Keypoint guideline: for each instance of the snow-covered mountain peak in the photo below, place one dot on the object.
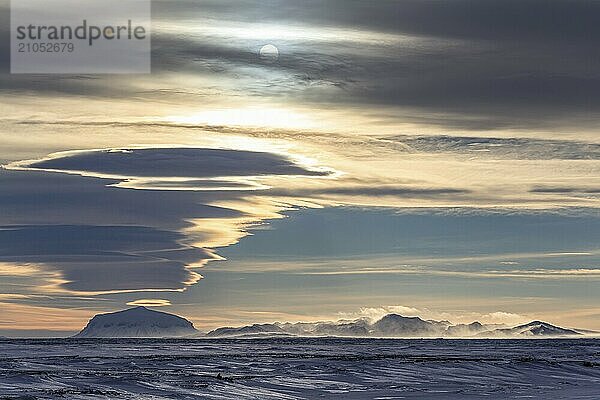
(138, 322)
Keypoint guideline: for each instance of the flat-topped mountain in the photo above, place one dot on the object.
(138, 322)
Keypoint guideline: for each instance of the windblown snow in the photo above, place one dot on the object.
(396, 326)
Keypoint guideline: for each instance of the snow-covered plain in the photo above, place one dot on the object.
(299, 368)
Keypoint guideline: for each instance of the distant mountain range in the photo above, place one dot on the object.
(141, 322)
(394, 325)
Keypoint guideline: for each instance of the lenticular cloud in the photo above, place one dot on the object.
(172, 163)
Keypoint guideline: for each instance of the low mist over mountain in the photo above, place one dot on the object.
(394, 325)
(138, 322)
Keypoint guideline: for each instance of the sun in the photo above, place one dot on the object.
(269, 53)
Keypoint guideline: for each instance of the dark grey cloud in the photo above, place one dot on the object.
(101, 238)
(197, 184)
(396, 191)
(103, 258)
(175, 162)
(34, 198)
(489, 19)
(509, 63)
(4, 37)
(502, 148)
(473, 64)
(489, 64)
(567, 190)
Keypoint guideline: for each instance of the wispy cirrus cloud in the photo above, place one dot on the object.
(535, 274)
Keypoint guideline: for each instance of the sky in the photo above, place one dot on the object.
(437, 158)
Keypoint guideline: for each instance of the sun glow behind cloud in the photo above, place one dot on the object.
(247, 117)
(283, 33)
